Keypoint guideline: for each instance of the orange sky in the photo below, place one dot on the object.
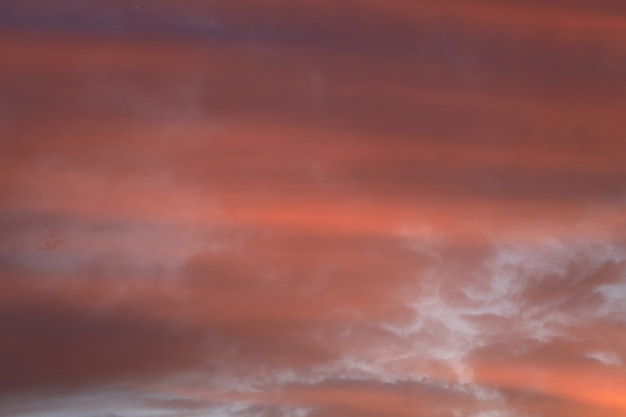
(312, 208)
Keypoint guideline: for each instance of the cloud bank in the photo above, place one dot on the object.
(312, 209)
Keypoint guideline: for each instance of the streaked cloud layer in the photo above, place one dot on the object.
(313, 208)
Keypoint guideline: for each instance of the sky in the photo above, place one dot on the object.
(312, 208)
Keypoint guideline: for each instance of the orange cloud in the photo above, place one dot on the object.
(313, 209)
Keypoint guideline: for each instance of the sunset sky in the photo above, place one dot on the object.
(312, 208)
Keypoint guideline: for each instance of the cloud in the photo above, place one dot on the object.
(312, 209)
